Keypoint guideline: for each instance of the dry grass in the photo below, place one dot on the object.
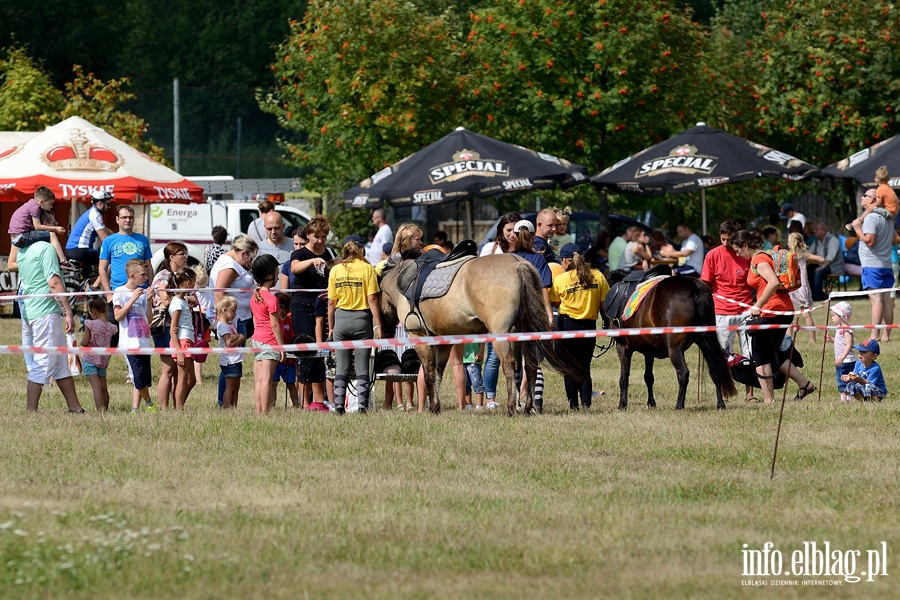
(645, 504)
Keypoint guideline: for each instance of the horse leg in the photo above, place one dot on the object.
(676, 355)
(530, 372)
(649, 379)
(508, 363)
(441, 356)
(624, 373)
(427, 356)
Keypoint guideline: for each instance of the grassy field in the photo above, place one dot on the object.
(642, 504)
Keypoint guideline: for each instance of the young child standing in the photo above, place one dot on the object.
(182, 335)
(132, 311)
(230, 363)
(267, 324)
(286, 371)
(98, 332)
(866, 382)
(472, 356)
(27, 225)
(844, 359)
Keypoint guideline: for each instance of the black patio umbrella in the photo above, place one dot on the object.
(461, 166)
(699, 158)
(861, 166)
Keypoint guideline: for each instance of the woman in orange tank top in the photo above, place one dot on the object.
(765, 344)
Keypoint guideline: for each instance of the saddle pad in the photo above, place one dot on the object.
(639, 294)
(441, 278)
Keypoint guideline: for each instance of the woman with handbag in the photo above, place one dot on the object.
(175, 258)
(770, 296)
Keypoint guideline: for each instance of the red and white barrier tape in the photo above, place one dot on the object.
(10, 297)
(417, 341)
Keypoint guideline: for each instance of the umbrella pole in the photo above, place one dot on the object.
(703, 208)
(470, 226)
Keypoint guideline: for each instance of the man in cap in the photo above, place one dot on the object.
(876, 234)
(88, 232)
(789, 214)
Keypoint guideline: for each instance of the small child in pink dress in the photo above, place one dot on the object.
(98, 332)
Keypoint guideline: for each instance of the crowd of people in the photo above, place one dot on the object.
(273, 289)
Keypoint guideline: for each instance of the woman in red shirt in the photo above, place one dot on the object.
(764, 344)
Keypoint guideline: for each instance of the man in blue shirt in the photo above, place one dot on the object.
(116, 250)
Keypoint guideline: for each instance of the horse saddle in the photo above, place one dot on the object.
(432, 277)
(619, 295)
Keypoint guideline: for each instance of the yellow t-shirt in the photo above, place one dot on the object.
(350, 285)
(575, 300)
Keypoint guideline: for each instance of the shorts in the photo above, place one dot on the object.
(235, 370)
(92, 369)
(162, 340)
(139, 370)
(30, 237)
(266, 355)
(286, 373)
(185, 344)
(843, 369)
(874, 278)
(48, 331)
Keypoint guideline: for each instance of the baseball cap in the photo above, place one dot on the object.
(568, 251)
(354, 238)
(786, 207)
(844, 310)
(524, 223)
(869, 345)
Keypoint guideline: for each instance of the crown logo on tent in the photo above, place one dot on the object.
(79, 155)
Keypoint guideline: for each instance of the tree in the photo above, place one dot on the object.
(364, 83)
(589, 81)
(29, 102)
(820, 78)
(27, 97)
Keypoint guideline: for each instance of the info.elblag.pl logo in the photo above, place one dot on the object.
(813, 563)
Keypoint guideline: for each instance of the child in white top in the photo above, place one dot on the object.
(132, 311)
(183, 335)
(231, 363)
(844, 359)
(98, 332)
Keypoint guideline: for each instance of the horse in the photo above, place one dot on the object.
(674, 302)
(500, 293)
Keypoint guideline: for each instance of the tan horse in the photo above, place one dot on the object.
(500, 293)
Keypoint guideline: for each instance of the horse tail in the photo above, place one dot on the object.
(708, 342)
(532, 317)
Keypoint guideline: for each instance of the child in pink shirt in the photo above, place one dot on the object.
(267, 329)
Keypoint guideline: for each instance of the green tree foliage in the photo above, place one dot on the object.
(818, 78)
(589, 81)
(27, 96)
(366, 83)
(29, 102)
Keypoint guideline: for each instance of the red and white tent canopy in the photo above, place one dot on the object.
(75, 159)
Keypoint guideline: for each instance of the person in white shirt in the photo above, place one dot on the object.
(691, 248)
(383, 236)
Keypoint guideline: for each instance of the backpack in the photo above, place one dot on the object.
(787, 268)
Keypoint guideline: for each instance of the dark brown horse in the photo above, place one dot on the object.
(674, 302)
(500, 293)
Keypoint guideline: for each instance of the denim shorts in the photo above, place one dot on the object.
(285, 372)
(92, 369)
(235, 370)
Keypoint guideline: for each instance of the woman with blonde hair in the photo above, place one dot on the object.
(232, 270)
(353, 309)
(802, 296)
(409, 236)
(562, 236)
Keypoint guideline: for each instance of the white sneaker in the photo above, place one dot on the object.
(492, 405)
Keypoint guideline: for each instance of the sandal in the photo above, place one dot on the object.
(805, 391)
(751, 399)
